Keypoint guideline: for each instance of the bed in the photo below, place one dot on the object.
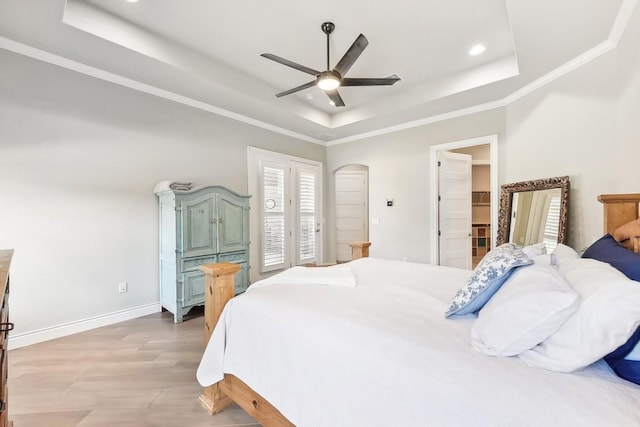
(378, 350)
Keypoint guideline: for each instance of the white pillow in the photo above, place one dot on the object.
(529, 307)
(560, 254)
(608, 315)
(564, 252)
(535, 250)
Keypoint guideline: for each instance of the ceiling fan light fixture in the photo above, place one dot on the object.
(328, 80)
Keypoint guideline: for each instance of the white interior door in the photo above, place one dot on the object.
(352, 216)
(454, 210)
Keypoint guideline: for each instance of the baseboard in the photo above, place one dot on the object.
(46, 334)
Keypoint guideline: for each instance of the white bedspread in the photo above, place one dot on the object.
(337, 275)
(382, 354)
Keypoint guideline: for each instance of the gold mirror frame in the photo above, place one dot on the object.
(506, 199)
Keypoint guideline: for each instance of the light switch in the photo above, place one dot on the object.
(375, 221)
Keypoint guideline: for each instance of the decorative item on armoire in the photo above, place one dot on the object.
(199, 225)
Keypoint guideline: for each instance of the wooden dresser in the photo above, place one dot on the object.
(5, 327)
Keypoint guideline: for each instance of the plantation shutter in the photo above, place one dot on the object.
(308, 224)
(552, 224)
(273, 217)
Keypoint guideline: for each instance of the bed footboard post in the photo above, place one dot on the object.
(359, 249)
(218, 290)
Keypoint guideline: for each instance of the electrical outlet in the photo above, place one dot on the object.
(123, 287)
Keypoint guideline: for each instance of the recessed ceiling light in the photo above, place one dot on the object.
(477, 50)
(131, 1)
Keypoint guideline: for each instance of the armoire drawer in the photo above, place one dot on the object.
(234, 257)
(193, 288)
(194, 263)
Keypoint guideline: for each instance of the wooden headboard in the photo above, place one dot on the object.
(620, 209)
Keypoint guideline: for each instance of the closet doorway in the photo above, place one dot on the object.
(352, 208)
(483, 196)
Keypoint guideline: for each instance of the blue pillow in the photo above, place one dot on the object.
(606, 249)
(624, 367)
(494, 269)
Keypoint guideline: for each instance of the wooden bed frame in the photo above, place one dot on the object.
(620, 209)
(219, 289)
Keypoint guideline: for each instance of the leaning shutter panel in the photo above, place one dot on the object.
(273, 210)
(552, 225)
(307, 216)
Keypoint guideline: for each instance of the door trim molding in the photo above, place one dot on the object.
(492, 141)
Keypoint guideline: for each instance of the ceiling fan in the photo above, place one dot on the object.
(330, 80)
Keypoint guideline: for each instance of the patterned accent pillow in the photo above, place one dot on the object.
(494, 269)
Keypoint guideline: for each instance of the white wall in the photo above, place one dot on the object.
(587, 126)
(399, 170)
(584, 125)
(568, 127)
(79, 159)
(628, 109)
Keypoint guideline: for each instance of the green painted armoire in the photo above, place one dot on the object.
(199, 225)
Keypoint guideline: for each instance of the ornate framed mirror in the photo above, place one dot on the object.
(534, 211)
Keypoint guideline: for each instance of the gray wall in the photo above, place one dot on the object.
(584, 125)
(399, 170)
(80, 157)
(79, 161)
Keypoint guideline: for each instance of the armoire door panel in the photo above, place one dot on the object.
(232, 225)
(199, 227)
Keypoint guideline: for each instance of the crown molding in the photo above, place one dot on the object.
(79, 67)
(617, 30)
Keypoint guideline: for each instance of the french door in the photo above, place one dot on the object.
(288, 197)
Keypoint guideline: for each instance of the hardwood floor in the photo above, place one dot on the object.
(136, 373)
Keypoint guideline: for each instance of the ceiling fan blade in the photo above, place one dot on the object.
(296, 89)
(352, 54)
(386, 81)
(290, 64)
(335, 97)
